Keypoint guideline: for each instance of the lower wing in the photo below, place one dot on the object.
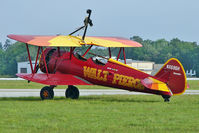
(54, 79)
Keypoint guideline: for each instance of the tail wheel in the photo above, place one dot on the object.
(46, 93)
(166, 98)
(72, 92)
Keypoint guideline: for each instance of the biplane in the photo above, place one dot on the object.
(70, 68)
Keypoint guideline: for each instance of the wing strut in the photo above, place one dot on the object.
(44, 61)
(58, 48)
(29, 57)
(35, 68)
(109, 50)
(87, 50)
(118, 56)
(71, 51)
(124, 56)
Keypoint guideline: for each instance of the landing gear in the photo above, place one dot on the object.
(166, 98)
(72, 92)
(47, 92)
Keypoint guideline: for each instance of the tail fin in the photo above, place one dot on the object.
(173, 74)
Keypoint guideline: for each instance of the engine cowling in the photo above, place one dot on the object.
(48, 52)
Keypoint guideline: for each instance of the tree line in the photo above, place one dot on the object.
(161, 50)
(158, 51)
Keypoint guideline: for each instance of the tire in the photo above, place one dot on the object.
(72, 92)
(46, 93)
(166, 98)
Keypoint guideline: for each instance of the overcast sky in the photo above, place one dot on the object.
(149, 19)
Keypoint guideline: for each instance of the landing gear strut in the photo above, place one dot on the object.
(47, 92)
(72, 92)
(166, 98)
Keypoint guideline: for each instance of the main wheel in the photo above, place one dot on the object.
(72, 92)
(46, 93)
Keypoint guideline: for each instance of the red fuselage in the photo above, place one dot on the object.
(113, 73)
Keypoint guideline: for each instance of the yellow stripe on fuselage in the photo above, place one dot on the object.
(122, 64)
(161, 86)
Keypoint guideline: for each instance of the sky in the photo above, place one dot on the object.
(149, 19)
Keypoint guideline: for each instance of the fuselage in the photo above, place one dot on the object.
(112, 74)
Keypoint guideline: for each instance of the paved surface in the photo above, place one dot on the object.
(83, 92)
(24, 79)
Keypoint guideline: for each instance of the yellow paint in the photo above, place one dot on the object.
(158, 85)
(115, 78)
(118, 79)
(103, 43)
(95, 73)
(105, 75)
(127, 81)
(65, 41)
(122, 64)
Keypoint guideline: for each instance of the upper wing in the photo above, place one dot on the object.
(54, 79)
(155, 84)
(74, 41)
(54, 41)
(111, 42)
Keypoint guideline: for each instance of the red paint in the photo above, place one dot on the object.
(44, 60)
(36, 59)
(75, 66)
(65, 68)
(173, 74)
(53, 79)
(124, 56)
(29, 58)
(87, 50)
(118, 56)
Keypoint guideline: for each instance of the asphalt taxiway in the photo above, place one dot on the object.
(83, 92)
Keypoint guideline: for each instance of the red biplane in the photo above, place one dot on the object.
(70, 68)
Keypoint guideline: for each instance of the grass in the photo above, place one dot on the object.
(108, 114)
(23, 84)
(194, 84)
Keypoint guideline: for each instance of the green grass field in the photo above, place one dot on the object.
(23, 84)
(194, 84)
(108, 114)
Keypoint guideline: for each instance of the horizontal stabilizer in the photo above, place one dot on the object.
(155, 84)
(54, 79)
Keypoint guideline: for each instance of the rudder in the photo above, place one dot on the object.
(173, 74)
